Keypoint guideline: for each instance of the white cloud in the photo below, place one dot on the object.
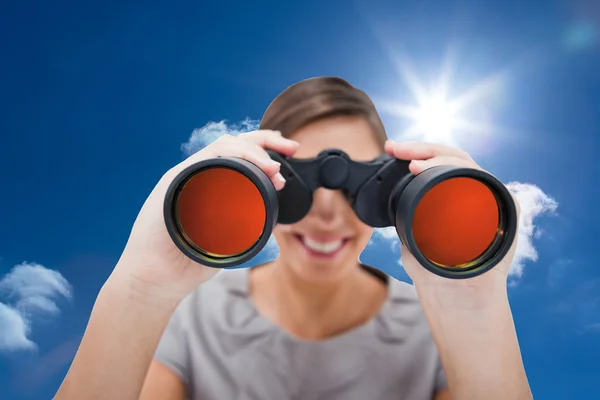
(29, 291)
(534, 202)
(14, 330)
(210, 132)
(387, 234)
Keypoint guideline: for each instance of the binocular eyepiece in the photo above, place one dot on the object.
(457, 222)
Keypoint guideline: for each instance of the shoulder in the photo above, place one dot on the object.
(399, 292)
(403, 296)
(402, 317)
(224, 295)
(403, 330)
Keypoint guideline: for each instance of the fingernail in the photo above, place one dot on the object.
(279, 178)
(273, 162)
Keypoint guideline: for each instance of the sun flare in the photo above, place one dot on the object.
(436, 118)
(439, 117)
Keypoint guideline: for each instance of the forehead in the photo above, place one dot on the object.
(351, 134)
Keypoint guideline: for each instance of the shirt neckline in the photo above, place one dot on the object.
(356, 335)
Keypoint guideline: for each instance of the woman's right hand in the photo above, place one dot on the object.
(151, 258)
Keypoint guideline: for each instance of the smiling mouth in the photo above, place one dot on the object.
(320, 248)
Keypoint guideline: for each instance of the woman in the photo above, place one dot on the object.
(314, 323)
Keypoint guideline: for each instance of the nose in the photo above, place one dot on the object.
(327, 204)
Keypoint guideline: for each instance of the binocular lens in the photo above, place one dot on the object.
(220, 212)
(456, 222)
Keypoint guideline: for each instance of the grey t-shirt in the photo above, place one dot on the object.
(224, 349)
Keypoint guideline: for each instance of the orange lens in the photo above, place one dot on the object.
(456, 221)
(221, 212)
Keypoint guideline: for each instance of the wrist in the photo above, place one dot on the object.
(140, 293)
(472, 326)
(479, 293)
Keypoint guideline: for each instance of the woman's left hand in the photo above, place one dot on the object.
(426, 155)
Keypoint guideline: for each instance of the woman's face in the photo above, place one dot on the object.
(326, 244)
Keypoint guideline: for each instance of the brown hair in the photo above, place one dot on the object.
(318, 98)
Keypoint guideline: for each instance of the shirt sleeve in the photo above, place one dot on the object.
(172, 350)
(440, 380)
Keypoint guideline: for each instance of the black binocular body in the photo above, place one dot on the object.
(457, 222)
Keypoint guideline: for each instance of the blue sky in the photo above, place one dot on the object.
(99, 99)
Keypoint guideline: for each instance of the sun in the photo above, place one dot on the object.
(437, 117)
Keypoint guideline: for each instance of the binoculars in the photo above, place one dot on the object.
(457, 222)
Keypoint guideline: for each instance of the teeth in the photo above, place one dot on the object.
(325, 248)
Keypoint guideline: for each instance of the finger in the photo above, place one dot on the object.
(422, 150)
(418, 166)
(259, 157)
(281, 145)
(227, 146)
(272, 140)
(260, 132)
(268, 166)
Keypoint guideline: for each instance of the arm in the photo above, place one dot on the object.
(473, 329)
(470, 319)
(151, 278)
(124, 329)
